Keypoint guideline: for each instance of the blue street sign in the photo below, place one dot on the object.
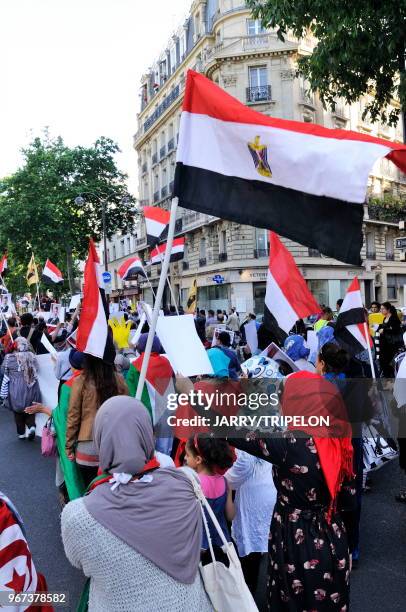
(218, 279)
(107, 277)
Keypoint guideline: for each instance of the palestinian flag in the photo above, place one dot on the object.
(287, 297)
(156, 222)
(3, 264)
(93, 335)
(178, 249)
(158, 385)
(350, 328)
(131, 268)
(51, 274)
(306, 182)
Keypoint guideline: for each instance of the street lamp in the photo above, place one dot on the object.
(103, 199)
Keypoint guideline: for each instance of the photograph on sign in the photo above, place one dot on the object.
(274, 352)
(220, 328)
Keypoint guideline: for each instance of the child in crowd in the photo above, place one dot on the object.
(211, 458)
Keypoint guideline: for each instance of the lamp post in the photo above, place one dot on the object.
(103, 199)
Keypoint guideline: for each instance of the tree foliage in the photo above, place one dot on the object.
(37, 203)
(360, 48)
(389, 208)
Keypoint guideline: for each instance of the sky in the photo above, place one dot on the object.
(74, 66)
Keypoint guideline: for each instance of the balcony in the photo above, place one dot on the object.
(162, 152)
(156, 197)
(260, 253)
(314, 253)
(259, 94)
(144, 167)
(154, 159)
(202, 261)
(164, 192)
(222, 256)
(171, 144)
(256, 41)
(165, 104)
(185, 265)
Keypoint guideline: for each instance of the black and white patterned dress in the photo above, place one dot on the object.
(308, 557)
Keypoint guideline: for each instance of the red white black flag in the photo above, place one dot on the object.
(51, 274)
(287, 297)
(3, 264)
(306, 182)
(177, 251)
(93, 335)
(156, 222)
(131, 268)
(350, 328)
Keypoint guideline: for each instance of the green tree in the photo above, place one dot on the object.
(38, 211)
(360, 48)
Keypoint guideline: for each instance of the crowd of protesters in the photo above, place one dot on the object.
(290, 503)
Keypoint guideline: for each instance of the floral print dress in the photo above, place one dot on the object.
(308, 556)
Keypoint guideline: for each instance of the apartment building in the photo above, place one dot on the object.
(220, 39)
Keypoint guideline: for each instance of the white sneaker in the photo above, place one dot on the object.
(31, 433)
(21, 437)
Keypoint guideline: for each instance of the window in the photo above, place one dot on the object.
(223, 242)
(114, 252)
(202, 252)
(370, 245)
(258, 76)
(261, 243)
(319, 288)
(128, 245)
(122, 248)
(390, 255)
(115, 279)
(108, 255)
(255, 27)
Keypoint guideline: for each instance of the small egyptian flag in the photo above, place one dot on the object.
(131, 268)
(156, 222)
(177, 252)
(287, 297)
(3, 264)
(32, 272)
(350, 328)
(192, 298)
(51, 274)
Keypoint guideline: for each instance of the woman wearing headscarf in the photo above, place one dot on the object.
(309, 560)
(97, 382)
(20, 385)
(137, 534)
(295, 348)
(390, 338)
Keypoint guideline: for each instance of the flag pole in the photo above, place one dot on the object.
(159, 294)
(367, 337)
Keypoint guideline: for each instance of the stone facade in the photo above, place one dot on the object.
(221, 40)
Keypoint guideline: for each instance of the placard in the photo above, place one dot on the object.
(183, 346)
(251, 335)
(274, 352)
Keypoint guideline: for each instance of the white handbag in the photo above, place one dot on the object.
(225, 586)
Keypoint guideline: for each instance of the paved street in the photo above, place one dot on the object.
(379, 585)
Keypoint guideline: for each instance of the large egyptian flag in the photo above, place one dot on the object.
(350, 328)
(131, 268)
(306, 182)
(156, 222)
(93, 337)
(177, 252)
(287, 297)
(51, 274)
